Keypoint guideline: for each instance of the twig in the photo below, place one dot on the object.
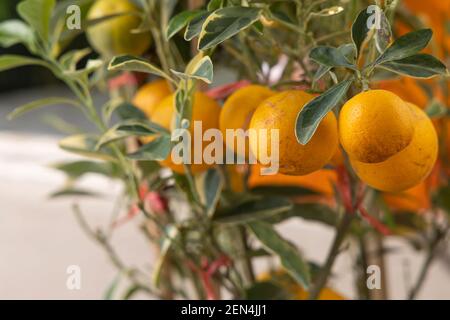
(102, 240)
(427, 264)
(334, 252)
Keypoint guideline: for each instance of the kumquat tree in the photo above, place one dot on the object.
(227, 118)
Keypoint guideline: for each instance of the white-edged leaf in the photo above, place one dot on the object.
(360, 28)
(210, 185)
(10, 61)
(170, 236)
(180, 21)
(224, 23)
(253, 210)
(418, 66)
(37, 14)
(330, 57)
(77, 169)
(314, 111)
(39, 104)
(84, 144)
(128, 128)
(406, 46)
(157, 150)
(289, 256)
(15, 31)
(132, 63)
(202, 70)
(194, 27)
(70, 59)
(92, 65)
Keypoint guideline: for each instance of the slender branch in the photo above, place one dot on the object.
(325, 271)
(103, 241)
(433, 249)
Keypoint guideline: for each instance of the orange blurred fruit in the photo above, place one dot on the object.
(415, 199)
(205, 110)
(296, 291)
(238, 110)
(279, 112)
(150, 95)
(320, 181)
(407, 89)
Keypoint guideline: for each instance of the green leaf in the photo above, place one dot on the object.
(70, 59)
(131, 291)
(406, 46)
(436, 109)
(109, 294)
(330, 57)
(314, 111)
(170, 236)
(202, 70)
(321, 71)
(195, 26)
(214, 5)
(167, 8)
(136, 64)
(253, 210)
(224, 23)
(15, 31)
(360, 29)
(308, 211)
(10, 61)
(77, 169)
(180, 21)
(39, 104)
(85, 145)
(73, 192)
(289, 256)
(285, 191)
(348, 51)
(92, 65)
(210, 184)
(158, 149)
(124, 110)
(37, 14)
(128, 128)
(418, 66)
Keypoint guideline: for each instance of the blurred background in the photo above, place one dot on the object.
(40, 237)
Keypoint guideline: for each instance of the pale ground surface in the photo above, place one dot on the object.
(40, 238)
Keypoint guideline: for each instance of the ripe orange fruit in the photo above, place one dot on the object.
(412, 200)
(320, 181)
(114, 36)
(150, 95)
(435, 14)
(238, 110)
(408, 167)
(204, 109)
(280, 112)
(281, 278)
(374, 125)
(236, 177)
(407, 89)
